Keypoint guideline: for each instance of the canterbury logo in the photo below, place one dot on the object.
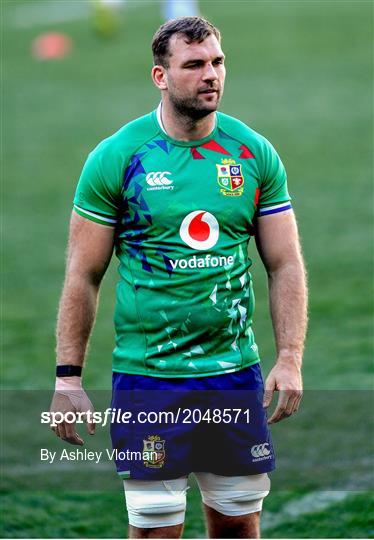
(159, 180)
(260, 450)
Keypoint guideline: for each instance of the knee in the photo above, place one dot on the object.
(155, 504)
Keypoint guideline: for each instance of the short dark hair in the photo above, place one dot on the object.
(191, 28)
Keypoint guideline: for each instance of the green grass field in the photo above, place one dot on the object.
(300, 72)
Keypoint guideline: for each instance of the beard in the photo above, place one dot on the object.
(193, 107)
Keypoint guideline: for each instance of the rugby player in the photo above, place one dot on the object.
(179, 193)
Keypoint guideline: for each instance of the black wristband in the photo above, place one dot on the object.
(68, 370)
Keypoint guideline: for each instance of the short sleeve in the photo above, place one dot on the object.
(274, 196)
(98, 191)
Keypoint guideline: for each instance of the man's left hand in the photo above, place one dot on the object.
(285, 377)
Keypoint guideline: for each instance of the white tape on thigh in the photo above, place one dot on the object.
(233, 495)
(155, 503)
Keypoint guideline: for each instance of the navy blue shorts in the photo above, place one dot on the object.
(177, 426)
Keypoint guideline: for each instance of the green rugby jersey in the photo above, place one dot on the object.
(183, 214)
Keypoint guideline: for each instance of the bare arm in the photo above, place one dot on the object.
(89, 252)
(279, 247)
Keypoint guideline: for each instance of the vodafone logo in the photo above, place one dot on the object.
(199, 230)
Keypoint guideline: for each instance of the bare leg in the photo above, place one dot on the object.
(221, 526)
(174, 531)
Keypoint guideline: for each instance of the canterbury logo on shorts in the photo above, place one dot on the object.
(260, 450)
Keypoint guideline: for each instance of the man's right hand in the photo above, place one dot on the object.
(74, 401)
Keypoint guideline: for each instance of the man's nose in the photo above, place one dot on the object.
(210, 73)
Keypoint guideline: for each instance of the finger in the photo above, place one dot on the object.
(291, 405)
(281, 407)
(69, 430)
(61, 431)
(91, 428)
(55, 430)
(75, 440)
(269, 391)
(294, 398)
(297, 405)
(90, 424)
(71, 435)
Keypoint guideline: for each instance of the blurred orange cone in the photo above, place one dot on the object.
(51, 46)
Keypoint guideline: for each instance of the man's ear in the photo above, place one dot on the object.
(159, 77)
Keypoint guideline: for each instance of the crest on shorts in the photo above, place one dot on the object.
(154, 452)
(230, 178)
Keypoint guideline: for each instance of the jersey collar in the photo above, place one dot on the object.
(194, 143)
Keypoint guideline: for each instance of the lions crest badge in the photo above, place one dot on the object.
(154, 452)
(230, 178)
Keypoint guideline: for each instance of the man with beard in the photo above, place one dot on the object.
(179, 192)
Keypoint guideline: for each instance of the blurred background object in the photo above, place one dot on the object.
(51, 46)
(106, 16)
(179, 8)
